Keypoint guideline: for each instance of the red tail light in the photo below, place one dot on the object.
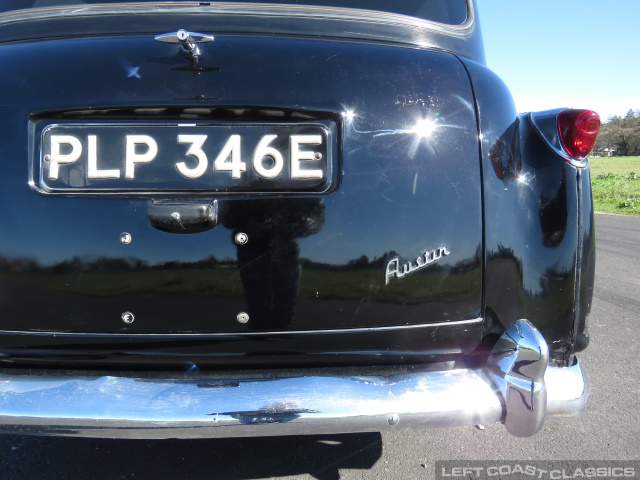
(578, 130)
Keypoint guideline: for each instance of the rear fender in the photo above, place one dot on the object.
(538, 224)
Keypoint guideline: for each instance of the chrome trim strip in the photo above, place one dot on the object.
(232, 334)
(241, 9)
(296, 402)
(234, 18)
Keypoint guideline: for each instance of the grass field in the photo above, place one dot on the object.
(616, 184)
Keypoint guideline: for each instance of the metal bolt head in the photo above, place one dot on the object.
(318, 156)
(47, 158)
(128, 317)
(243, 317)
(393, 419)
(125, 238)
(175, 216)
(241, 238)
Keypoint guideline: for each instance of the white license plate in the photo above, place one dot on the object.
(180, 157)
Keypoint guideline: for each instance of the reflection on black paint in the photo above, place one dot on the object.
(554, 215)
(269, 263)
(504, 154)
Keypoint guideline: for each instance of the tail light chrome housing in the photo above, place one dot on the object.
(571, 133)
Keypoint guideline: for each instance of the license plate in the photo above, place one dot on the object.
(137, 157)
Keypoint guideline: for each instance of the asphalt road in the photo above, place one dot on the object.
(610, 429)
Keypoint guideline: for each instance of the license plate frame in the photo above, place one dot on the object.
(114, 162)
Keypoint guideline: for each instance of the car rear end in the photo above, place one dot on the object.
(256, 219)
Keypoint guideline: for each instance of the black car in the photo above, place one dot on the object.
(314, 216)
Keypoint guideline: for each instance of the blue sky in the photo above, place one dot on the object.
(566, 53)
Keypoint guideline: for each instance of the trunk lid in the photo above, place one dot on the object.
(393, 240)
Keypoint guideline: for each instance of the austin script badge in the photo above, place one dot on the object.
(397, 269)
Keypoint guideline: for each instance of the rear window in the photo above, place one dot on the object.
(451, 12)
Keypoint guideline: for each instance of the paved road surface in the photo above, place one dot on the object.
(609, 430)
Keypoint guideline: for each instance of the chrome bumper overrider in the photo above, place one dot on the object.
(516, 387)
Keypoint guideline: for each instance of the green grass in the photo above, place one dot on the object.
(616, 184)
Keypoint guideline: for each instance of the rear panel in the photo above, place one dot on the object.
(385, 245)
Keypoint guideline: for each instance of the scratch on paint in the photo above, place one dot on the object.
(386, 198)
(357, 310)
(415, 183)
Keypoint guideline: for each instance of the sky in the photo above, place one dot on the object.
(565, 53)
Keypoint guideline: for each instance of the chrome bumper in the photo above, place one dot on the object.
(515, 387)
